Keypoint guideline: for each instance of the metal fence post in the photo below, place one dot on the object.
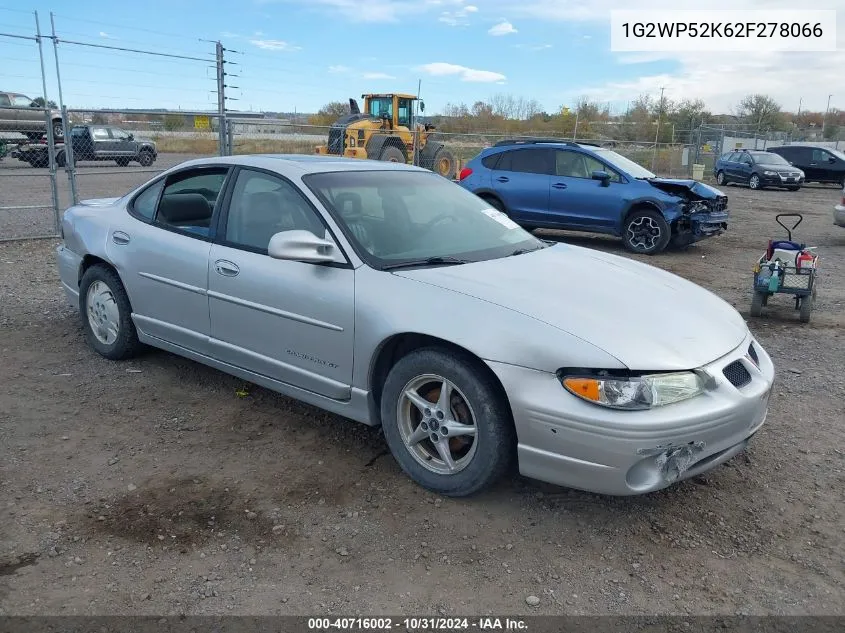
(221, 100)
(51, 140)
(230, 137)
(70, 166)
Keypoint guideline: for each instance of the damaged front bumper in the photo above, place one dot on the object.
(565, 441)
(694, 227)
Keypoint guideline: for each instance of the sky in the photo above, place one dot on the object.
(296, 55)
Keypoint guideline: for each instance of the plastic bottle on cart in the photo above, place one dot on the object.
(774, 280)
(763, 276)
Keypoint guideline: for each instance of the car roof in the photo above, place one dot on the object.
(304, 163)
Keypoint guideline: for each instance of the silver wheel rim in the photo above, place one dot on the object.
(643, 233)
(437, 424)
(58, 131)
(754, 182)
(103, 313)
(720, 178)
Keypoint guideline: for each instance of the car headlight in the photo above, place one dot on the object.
(770, 173)
(634, 392)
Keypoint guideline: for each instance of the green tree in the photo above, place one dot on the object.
(330, 113)
(761, 111)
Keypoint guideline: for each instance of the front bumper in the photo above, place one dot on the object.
(781, 181)
(69, 264)
(839, 215)
(699, 226)
(566, 441)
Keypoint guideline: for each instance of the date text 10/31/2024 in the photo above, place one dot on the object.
(417, 624)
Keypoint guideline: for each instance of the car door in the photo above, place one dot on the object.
(744, 167)
(577, 201)
(30, 118)
(821, 167)
(290, 321)
(522, 178)
(161, 249)
(7, 115)
(120, 143)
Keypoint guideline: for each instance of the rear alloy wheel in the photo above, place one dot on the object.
(754, 181)
(392, 154)
(107, 314)
(58, 130)
(646, 232)
(720, 178)
(446, 422)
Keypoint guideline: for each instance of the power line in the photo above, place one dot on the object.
(132, 50)
(119, 26)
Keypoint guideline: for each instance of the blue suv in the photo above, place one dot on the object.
(549, 183)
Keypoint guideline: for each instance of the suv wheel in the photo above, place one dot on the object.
(646, 232)
(145, 158)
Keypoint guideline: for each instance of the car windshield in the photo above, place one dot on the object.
(769, 158)
(625, 164)
(396, 218)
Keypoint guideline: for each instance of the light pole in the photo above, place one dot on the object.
(824, 118)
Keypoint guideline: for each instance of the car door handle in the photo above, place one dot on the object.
(559, 185)
(226, 268)
(503, 179)
(119, 237)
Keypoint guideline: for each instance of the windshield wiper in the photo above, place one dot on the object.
(522, 251)
(429, 261)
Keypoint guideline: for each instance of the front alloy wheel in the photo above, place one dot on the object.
(446, 421)
(754, 181)
(646, 232)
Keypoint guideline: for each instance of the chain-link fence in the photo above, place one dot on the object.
(29, 129)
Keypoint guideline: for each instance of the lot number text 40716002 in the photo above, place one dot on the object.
(417, 624)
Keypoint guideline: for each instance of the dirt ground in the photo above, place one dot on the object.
(153, 487)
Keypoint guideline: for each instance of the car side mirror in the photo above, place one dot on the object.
(831, 159)
(301, 246)
(131, 137)
(602, 176)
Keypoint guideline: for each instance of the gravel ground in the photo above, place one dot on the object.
(153, 487)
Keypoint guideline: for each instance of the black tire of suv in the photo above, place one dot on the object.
(145, 158)
(655, 218)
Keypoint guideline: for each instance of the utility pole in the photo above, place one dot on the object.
(657, 131)
(824, 118)
(221, 101)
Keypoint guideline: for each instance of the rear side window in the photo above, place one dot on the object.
(5, 101)
(188, 200)
(490, 161)
(144, 205)
(528, 161)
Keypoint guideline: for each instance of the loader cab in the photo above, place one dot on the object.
(398, 109)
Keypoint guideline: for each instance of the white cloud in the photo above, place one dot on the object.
(275, 45)
(458, 17)
(443, 69)
(502, 28)
(375, 75)
(339, 69)
(107, 36)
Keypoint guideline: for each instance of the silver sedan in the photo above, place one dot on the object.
(391, 296)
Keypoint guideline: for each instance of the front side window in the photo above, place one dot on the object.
(404, 117)
(99, 133)
(820, 156)
(119, 135)
(396, 218)
(263, 205)
(188, 200)
(577, 165)
(21, 101)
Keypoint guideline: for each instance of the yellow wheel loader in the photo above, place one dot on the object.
(386, 130)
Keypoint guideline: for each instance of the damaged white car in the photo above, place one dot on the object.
(391, 296)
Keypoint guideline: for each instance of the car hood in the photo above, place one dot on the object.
(645, 317)
(779, 167)
(688, 188)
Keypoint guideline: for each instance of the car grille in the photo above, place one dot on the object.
(737, 374)
(720, 204)
(336, 140)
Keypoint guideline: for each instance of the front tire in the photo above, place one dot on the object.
(145, 158)
(107, 314)
(754, 182)
(646, 232)
(446, 422)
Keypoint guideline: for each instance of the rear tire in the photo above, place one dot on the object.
(445, 164)
(476, 403)
(646, 232)
(58, 129)
(392, 154)
(107, 314)
(807, 306)
(720, 178)
(61, 159)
